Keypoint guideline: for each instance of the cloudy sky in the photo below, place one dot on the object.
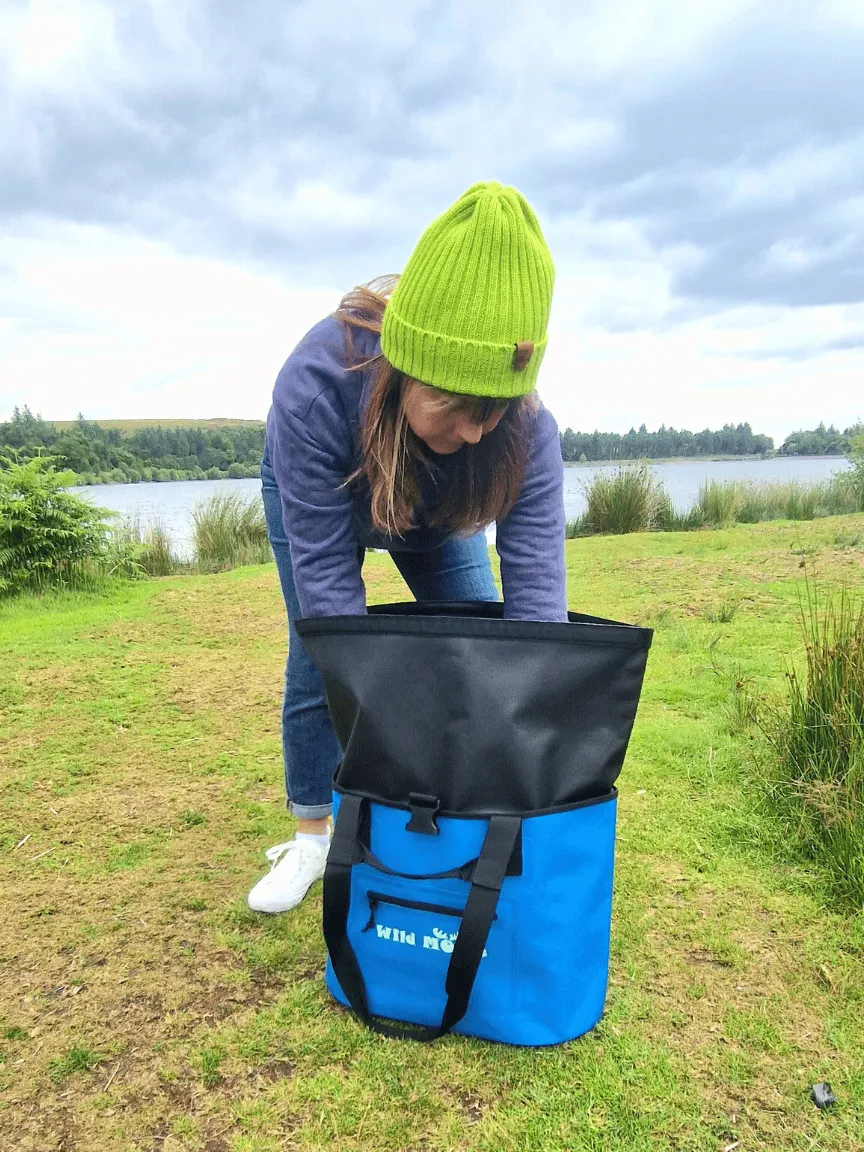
(186, 186)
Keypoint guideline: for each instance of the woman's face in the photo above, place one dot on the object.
(440, 419)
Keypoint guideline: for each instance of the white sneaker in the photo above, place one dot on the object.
(294, 868)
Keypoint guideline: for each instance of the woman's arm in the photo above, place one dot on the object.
(530, 539)
(311, 454)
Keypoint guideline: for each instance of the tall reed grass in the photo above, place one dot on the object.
(719, 502)
(141, 551)
(815, 782)
(228, 532)
(631, 499)
(794, 500)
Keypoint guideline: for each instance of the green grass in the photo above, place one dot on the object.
(209, 1061)
(75, 1060)
(736, 980)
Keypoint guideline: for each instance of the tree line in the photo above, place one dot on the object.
(730, 440)
(640, 444)
(821, 441)
(100, 455)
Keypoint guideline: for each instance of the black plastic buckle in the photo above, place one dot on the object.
(423, 812)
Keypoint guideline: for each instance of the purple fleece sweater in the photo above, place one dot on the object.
(313, 437)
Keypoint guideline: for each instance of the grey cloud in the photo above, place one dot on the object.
(764, 91)
(410, 103)
(161, 149)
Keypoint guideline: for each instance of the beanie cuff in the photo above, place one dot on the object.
(456, 364)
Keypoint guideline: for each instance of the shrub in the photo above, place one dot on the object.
(846, 489)
(627, 500)
(47, 535)
(816, 780)
(228, 532)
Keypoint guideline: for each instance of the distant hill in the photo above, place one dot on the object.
(127, 427)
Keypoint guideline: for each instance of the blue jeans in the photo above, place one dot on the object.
(460, 570)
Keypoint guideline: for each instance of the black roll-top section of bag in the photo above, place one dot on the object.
(492, 715)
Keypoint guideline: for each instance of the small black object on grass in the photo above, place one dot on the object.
(822, 1096)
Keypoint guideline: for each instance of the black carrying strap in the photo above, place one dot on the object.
(477, 917)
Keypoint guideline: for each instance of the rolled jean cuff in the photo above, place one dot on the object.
(309, 811)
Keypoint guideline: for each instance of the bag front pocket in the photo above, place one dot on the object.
(376, 898)
(403, 944)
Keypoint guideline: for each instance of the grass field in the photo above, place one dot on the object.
(127, 427)
(143, 1006)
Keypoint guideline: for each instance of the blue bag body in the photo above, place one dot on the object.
(454, 898)
(543, 978)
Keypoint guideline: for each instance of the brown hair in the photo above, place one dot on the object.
(481, 481)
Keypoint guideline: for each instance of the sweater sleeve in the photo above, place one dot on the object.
(311, 456)
(530, 539)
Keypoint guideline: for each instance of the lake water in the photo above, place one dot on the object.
(172, 503)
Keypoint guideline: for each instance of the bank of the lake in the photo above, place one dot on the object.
(171, 503)
(144, 1005)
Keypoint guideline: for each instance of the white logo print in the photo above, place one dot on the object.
(439, 941)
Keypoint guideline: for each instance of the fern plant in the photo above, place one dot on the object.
(47, 535)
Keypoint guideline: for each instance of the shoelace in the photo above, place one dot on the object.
(278, 851)
(275, 854)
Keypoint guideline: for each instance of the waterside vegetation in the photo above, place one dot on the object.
(632, 499)
(51, 538)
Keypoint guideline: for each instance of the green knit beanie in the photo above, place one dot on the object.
(469, 313)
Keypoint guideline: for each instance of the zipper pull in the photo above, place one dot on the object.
(373, 904)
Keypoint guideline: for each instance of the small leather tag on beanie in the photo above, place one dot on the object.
(522, 354)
